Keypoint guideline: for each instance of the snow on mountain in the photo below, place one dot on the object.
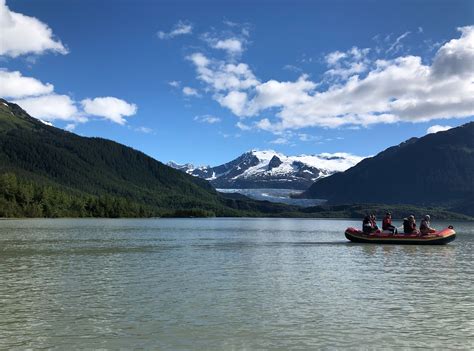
(270, 169)
(45, 122)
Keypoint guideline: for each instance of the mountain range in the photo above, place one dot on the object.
(48, 172)
(270, 169)
(434, 170)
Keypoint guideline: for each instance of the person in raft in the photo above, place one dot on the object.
(373, 221)
(368, 225)
(387, 223)
(409, 225)
(425, 226)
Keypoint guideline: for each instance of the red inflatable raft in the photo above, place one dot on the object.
(438, 238)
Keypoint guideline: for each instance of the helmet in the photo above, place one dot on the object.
(388, 214)
(427, 217)
(411, 217)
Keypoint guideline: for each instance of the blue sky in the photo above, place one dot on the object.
(202, 81)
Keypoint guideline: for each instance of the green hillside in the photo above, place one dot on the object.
(435, 170)
(49, 172)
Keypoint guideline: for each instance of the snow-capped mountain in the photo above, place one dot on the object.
(269, 169)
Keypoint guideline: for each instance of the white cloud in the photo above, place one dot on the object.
(51, 107)
(174, 83)
(397, 44)
(40, 101)
(345, 64)
(15, 85)
(333, 57)
(455, 59)
(110, 108)
(223, 76)
(292, 68)
(345, 72)
(338, 161)
(232, 46)
(180, 28)
(22, 35)
(279, 141)
(243, 126)
(209, 119)
(400, 89)
(235, 101)
(70, 127)
(437, 128)
(277, 94)
(232, 42)
(188, 91)
(144, 130)
(308, 137)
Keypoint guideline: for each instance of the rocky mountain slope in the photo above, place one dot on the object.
(269, 169)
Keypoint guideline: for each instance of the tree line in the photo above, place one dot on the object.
(23, 198)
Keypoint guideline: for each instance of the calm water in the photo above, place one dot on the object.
(225, 284)
(275, 195)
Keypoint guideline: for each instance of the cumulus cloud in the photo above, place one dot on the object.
(437, 128)
(51, 107)
(455, 59)
(38, 98)
(232, 42)
(41, 101)
(236, 101)
(180, 28)
(232, 46)
(109, 108)
(209, 119)
(21, 34)
(334, 57)
(188, 91)
(15, 85)
(277, 94)
(390, 90)
(220, 75)
(345, 64)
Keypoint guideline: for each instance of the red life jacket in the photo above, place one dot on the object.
(386, 223)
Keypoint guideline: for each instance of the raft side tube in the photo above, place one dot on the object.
(441, 237)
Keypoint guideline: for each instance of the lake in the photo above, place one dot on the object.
(228, 284)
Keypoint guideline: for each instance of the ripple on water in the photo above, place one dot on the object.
(228, 284)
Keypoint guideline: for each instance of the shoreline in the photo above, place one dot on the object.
(224, 217)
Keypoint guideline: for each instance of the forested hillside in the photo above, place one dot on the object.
(435, 170)
(46, 171)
